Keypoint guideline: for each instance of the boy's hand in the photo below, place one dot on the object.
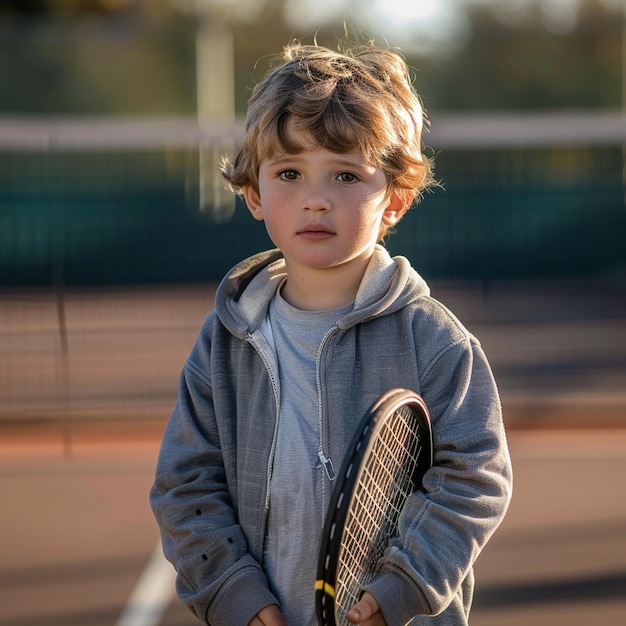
(366, 612)
(268, 616)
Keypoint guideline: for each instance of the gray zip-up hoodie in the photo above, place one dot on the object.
(215, 463)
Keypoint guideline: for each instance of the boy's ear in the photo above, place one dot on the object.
(397, 207)
(253, 202)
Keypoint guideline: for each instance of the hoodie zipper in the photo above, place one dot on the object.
(275, 388)
(326, 461)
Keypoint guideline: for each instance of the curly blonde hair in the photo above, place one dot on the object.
(361, 98)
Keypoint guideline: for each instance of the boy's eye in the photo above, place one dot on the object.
(347, 177)
(288, 174)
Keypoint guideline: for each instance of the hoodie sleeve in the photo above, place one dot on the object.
(443, 528)
(217, 577)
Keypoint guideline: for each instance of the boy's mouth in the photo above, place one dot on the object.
(315, 232)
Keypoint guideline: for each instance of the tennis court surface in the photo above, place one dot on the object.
(88, 380)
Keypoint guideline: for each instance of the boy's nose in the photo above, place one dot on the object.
(321, 207)
(315, 200)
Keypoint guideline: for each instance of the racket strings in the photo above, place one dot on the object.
(380, 492)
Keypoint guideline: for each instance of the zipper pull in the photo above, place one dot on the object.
(328, 465)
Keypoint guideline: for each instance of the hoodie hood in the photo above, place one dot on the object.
(244, 295)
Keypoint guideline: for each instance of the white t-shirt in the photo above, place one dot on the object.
(295, 518)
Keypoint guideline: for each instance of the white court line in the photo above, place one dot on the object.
(152, 593)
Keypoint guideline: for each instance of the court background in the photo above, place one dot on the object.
(115, 227)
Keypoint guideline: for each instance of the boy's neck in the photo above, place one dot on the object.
(322, 290)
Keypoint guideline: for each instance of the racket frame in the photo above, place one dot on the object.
(339, 507)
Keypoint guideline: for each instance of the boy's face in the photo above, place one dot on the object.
(322, 209)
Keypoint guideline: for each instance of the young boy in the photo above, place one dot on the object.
(302, 340)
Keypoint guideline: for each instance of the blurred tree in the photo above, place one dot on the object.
(106, 57)
(138, 56)
(66, 6)
(524, 64)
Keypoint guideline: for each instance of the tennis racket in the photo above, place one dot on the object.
(390, 453)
